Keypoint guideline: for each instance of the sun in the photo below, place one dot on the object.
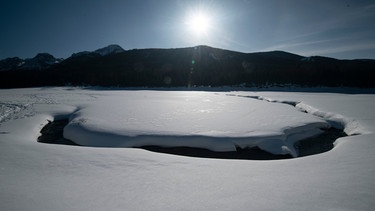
(198, 23)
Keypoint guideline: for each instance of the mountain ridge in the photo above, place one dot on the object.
(45, 60)
(191, 66)
(118, 49)
(115, 48)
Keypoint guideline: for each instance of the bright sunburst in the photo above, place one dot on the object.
(198, 23)
(201, 23)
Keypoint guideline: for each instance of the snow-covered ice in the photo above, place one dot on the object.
(197, 119)
(36, 176)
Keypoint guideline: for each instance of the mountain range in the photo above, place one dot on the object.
(191, 66)
(44, 61)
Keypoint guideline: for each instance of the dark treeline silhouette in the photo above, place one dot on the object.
(195, 66)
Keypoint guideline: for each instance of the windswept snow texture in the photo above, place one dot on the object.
(35, 176)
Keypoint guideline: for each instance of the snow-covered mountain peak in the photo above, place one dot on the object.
(40, 62)
(10, 63)
(46, 58)
(110, 49)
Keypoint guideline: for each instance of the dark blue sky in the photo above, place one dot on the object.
(342, 29)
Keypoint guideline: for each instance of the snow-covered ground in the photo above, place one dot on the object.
(37, 176)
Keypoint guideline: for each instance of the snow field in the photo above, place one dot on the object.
(35, 176)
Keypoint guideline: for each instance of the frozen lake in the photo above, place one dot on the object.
(106, 172)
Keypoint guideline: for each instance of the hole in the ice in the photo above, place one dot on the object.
(319, 144)
(253, 153)
(52, 133)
